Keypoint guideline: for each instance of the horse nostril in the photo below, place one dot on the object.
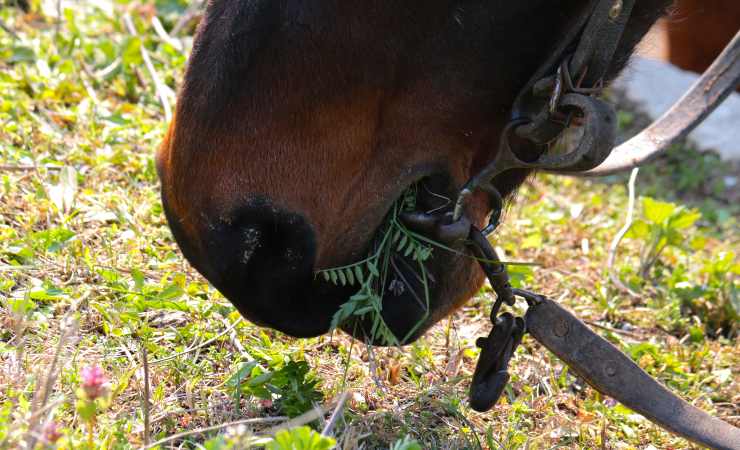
(270, 243)
(251, 243)
(261, 258)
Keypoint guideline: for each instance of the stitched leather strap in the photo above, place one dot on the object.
(611, 372)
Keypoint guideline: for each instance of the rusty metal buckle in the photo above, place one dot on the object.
(491, 373)
(599, 134)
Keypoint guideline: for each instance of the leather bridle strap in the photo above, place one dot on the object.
(613, 373)
(595, 359)
(556, 93)
(596, 35)
(600, 40)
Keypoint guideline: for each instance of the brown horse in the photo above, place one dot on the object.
(698, 30)
(299, 124)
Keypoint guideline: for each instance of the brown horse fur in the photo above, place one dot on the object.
(300, 123)
(698, 30)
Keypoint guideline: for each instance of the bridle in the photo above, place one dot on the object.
(562, 88)
(561, 91)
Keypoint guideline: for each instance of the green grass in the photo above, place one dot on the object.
(90, 275)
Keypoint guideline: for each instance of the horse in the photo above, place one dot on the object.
(299, 124)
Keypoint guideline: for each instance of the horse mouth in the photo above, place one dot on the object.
(405, 283)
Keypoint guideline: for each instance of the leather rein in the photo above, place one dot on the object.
(561, 92)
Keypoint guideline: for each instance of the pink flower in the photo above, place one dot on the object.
(52, 432)
(94, 382)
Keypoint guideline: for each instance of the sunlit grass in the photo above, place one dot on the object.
(90, 276)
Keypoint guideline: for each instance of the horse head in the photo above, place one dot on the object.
(300, 124)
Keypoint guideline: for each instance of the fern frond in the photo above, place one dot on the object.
(402, 243)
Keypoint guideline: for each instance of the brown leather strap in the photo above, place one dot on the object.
(611, 372)
(596, 33)
(536, 112)
(595, 52)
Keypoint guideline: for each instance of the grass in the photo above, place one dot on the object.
(90, 276)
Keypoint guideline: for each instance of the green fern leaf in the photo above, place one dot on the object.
(376, 325)
(365, 274)
(359, 297)
(411, 248)
(403, 242)
(396, 236)
(373, 268)
(362, 311)
(341, 315)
